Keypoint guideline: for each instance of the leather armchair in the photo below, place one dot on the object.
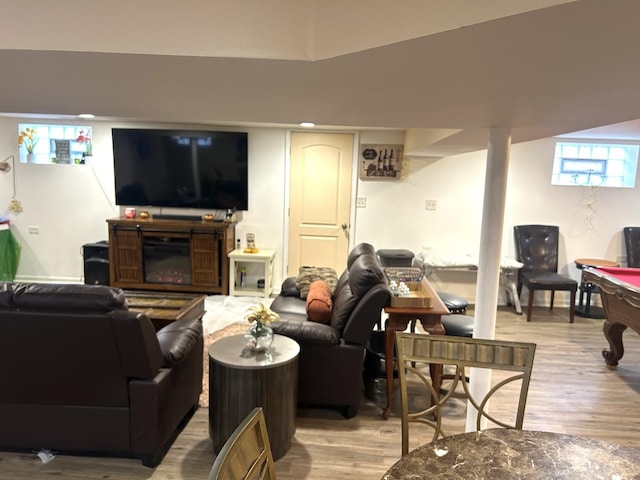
(332, 355)
(83, 374)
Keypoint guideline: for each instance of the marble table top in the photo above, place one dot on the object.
(232, 352)
(522, 454)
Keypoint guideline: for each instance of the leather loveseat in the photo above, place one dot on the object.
(83, 374)
(332, 355)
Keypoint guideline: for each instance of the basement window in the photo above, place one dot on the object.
(595, 164)
(46, 144)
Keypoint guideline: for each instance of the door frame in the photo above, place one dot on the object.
(287, 189)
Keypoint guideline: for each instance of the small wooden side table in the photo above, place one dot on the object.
(240, 380)
(237, 257)
(399, 319)
(584, 308)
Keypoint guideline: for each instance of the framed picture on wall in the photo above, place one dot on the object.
(380, 162)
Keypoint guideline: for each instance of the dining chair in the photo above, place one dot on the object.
(247, 453)
(511, 364)
(537, 249)
(632, 246)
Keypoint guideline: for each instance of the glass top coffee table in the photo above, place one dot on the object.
(163, 308)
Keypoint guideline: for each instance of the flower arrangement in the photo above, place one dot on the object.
(27, 137)
(261, 315)
(260, 335)
(85, 137)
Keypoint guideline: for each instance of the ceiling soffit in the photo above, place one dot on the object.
(270, 29)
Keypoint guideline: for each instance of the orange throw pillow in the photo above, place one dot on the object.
(319, 304)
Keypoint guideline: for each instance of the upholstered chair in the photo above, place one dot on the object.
(632, 244)
(537, 249)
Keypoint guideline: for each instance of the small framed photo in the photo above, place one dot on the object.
(380, 162)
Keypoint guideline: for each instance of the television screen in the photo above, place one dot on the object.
(180, 168)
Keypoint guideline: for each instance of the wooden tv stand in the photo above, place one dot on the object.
(170, 255)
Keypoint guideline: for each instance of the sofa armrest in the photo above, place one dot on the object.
(177, 339)
(306, 332)
(289, 288)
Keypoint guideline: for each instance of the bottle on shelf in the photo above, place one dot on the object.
(243, 276)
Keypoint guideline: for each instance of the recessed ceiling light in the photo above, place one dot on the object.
(86, 115)
(307, 124)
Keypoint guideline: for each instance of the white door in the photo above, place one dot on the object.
(320, 200)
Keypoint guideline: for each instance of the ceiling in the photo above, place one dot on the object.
(568, 67)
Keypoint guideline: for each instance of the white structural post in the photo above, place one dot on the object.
(495, 192)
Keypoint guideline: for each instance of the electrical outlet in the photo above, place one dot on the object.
(431, 205)
(34, 230)
(361, 202)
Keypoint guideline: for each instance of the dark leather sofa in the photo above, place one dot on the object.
(83, 374)
(332, 355)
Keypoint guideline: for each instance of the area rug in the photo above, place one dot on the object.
(232, 329)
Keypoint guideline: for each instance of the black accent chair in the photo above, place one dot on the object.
(632, 244)
(537, 249)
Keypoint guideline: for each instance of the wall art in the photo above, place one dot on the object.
(380, 162)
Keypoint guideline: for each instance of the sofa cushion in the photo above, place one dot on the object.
(68, 297)
(360, 249)
(342, 281)
(364, 274)
(289, 306)
(307, 275)
(343, 304)
(319, 304)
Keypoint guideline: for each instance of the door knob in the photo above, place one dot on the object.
(345, 226)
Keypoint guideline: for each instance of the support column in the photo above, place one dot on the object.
(495, 192)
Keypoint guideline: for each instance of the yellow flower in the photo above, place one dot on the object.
(15, 206)
(28, 138)
(261, 314)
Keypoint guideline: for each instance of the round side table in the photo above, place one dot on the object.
(584, 308)
(241, 379)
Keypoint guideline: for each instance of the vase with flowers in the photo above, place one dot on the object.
(260, 335)
(28, 139)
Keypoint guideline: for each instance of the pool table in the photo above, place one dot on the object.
(620, 295)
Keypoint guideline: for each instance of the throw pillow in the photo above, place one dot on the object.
(307, 275)
(319, 304)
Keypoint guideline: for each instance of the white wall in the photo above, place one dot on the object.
(395, 216)
(69, 204)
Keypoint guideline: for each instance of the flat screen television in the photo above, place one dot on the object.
(181, 168)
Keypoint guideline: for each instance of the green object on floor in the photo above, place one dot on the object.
(9, 256)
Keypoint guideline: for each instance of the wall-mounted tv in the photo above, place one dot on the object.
(181, 168)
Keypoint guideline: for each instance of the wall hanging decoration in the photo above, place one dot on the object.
(15, 206)
(380, 162)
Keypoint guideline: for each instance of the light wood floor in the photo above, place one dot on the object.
(572, 391)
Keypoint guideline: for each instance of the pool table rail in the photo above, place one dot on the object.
(621, 304)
